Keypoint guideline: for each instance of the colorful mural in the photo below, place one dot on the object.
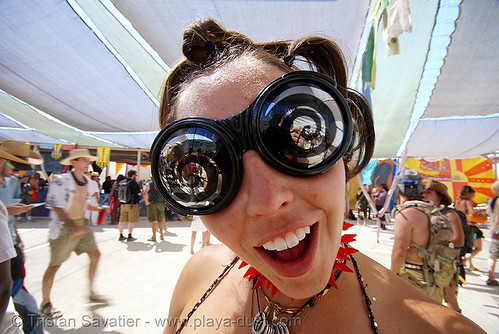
(476, 172)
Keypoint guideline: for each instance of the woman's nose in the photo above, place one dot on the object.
(267, 190)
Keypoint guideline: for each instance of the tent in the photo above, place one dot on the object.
(90, 71)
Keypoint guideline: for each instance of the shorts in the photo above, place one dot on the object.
(156, 212)
(129, 213)
(362, 207)
(415, 277)
(67, 242)
(494, 249)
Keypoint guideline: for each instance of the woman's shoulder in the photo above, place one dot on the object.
(198, 274)
(398, 306)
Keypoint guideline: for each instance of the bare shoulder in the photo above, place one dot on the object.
(410, 214)
(397, 306)
(197, 275)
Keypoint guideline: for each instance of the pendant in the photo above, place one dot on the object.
(280, 328)
(259, 325)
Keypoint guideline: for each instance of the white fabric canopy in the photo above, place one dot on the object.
(90, 71)
(434, 137)
(28, 135)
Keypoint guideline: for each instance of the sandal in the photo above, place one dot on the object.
(97, 298)
(49, 311)
(492, 282)
(153, 239)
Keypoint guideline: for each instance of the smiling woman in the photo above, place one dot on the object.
(259, 149)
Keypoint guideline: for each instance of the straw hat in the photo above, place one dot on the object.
(495, 188)
(76, 154)
(20, 152)
(441, 189)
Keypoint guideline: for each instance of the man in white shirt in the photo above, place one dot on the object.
(68, 198)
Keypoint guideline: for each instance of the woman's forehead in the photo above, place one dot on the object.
(226, 91)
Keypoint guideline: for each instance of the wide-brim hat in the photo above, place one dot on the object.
(76, 154)
(495, 188)
(20, 152)
(441, 189)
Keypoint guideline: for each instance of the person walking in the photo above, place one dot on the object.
(198, 226)
(361, 206)
(411, 229)
(465, 204)
(17, 155)
(436, 192)
(379, 200)
(129, 193)
(114, 201)
(155, 209)
(68, 198)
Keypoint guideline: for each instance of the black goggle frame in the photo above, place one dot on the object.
(241, 133)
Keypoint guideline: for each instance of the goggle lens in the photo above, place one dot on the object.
(301, 128)
(195, 168)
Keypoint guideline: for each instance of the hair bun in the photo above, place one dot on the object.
(203, 39)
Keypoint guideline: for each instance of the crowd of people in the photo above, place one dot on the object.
(252, 167)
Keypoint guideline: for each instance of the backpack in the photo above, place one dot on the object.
(468, 233)
(114, 190)
(153, 194)
(26, 192)
(440, 258)
(124, 192)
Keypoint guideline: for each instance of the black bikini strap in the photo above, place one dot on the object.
(207, 293)
(374, 324)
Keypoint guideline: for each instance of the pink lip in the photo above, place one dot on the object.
(295, 268)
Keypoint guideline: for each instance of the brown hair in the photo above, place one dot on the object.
(465, 191)
(208, 46)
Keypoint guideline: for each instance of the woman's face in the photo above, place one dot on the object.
(470, 196)
(431, 195)
(271, 207)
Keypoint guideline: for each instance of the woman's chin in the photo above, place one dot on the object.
(302, 287)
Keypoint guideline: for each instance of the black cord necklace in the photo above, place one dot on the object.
(78, 182)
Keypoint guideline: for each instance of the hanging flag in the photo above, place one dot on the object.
(103, 156)
(368, 58)
(119, 165)
(56, 151)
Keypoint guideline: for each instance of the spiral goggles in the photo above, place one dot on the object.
(300, 124)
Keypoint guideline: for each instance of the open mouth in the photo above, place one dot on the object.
(290, 248)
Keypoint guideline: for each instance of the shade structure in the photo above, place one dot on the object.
(90, 72)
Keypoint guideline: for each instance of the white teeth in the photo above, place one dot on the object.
(291, 240)
(300, 234)
(269, 245)
(280, 244)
